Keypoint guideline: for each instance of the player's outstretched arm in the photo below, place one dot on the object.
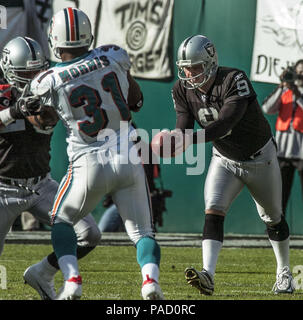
(23, 108)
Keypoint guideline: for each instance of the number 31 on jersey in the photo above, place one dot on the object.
(89, 99)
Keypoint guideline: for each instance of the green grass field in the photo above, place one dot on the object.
(111, 273)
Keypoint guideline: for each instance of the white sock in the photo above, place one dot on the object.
(210, 253)
(47, 269)
(151, 270)
(69, 266)
(281, 251)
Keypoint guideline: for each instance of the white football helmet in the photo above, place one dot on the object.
(193, 51)
(69, 28)
(21, 54)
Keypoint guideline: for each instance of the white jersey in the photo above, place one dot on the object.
(89, 94)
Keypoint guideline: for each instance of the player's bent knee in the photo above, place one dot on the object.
(138, 234)
(90, 237)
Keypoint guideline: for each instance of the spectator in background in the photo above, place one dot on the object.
(287, 101)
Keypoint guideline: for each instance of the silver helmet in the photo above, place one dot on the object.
(21, 54)
(194, 51)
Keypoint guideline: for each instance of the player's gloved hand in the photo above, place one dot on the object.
(26, 106)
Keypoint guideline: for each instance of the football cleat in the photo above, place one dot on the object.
(71, 290)
(284, 282)
(38, 280)
(203, 280)
(151, 290)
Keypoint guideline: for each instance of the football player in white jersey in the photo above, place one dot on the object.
(93, 93)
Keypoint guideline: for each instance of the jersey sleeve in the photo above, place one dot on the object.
(184, 118)
(237, 87)
(42, 85)
(118, 54)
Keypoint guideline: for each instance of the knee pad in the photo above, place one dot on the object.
(279, 231)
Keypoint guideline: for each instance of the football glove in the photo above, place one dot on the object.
(26, 106)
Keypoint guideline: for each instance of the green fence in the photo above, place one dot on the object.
(230, 25)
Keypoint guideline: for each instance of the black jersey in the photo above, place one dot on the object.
(230, 88)
(24, 149)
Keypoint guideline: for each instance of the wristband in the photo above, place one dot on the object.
(6, 117)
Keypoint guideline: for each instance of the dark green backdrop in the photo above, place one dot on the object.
(230, 25)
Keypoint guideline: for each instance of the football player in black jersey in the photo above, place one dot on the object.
(25, 183)
(223, 102)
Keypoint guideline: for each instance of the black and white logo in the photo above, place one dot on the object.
(136, 35)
